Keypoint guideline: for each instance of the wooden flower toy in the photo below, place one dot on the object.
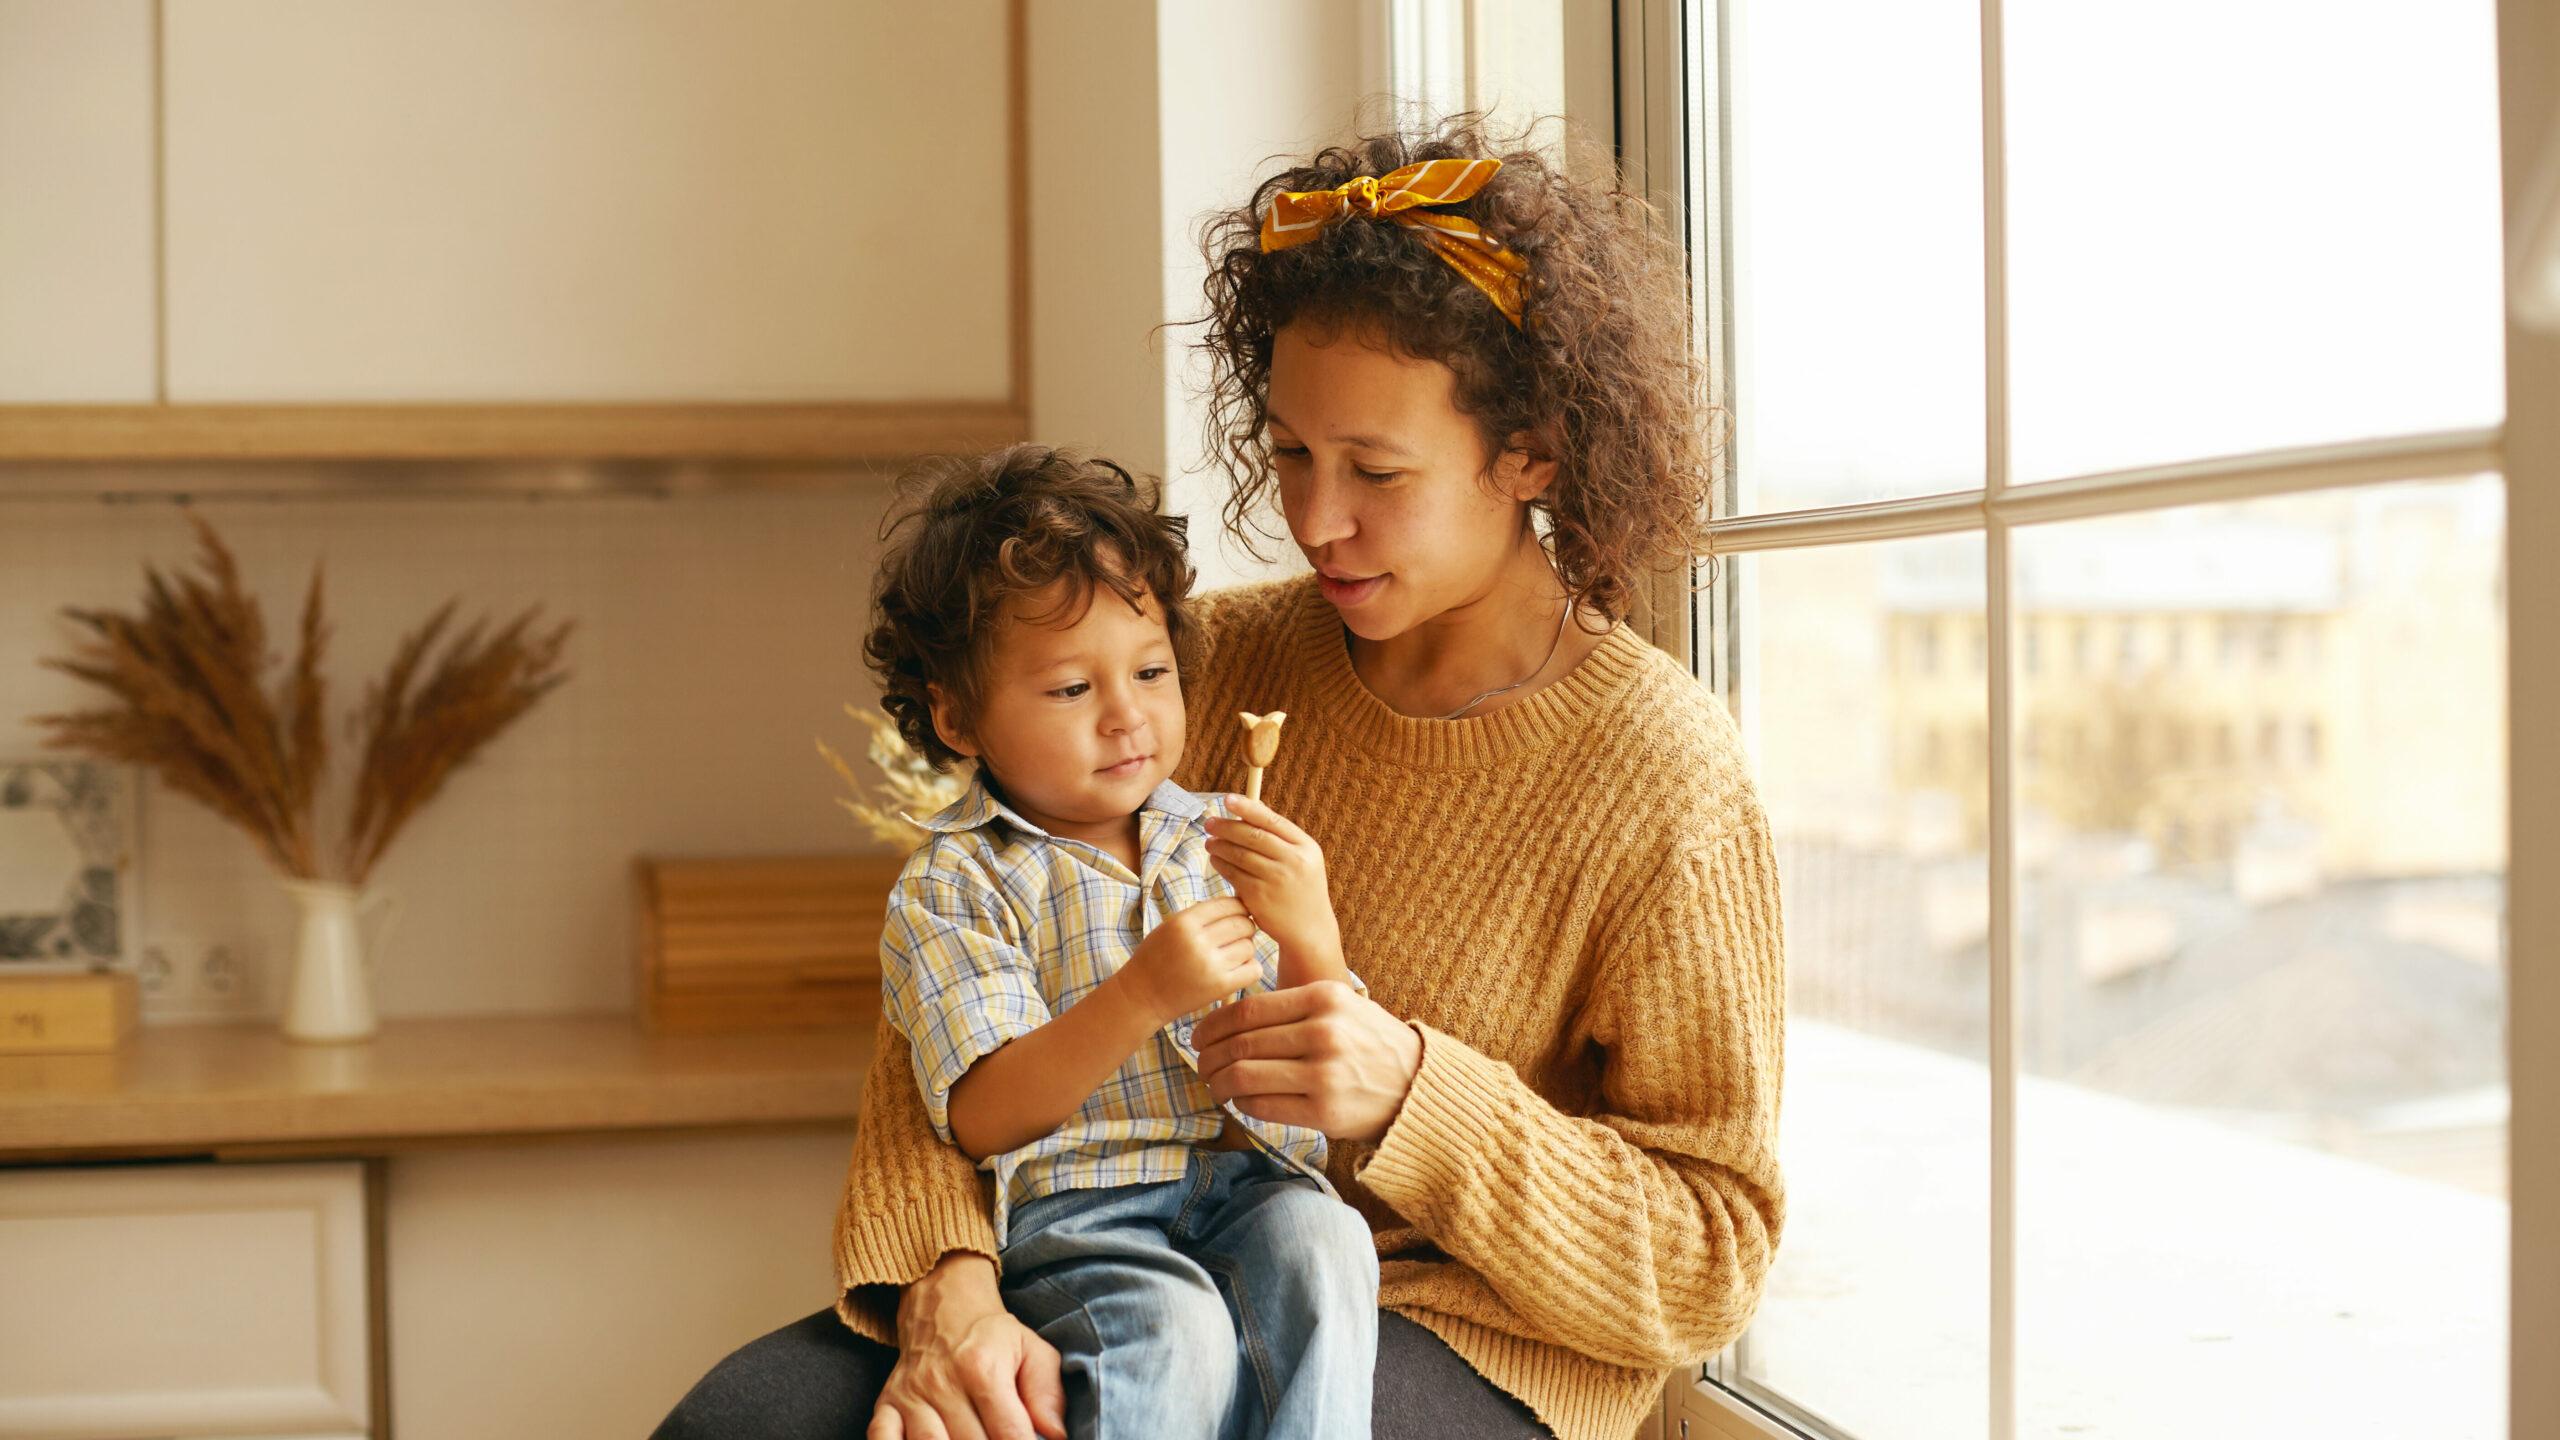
(1261, 747)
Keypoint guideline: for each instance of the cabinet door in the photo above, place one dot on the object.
(76, 265)
(192, 1300)
(574, 200)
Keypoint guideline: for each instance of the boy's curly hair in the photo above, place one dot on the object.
(971, 536)
(1600, 371)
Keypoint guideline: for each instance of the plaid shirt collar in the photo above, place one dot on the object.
(980, 807)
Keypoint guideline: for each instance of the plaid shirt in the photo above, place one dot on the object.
(996, 925)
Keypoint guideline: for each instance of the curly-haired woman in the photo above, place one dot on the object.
(1468, 385)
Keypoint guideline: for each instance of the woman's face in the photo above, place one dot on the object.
(1382, 481)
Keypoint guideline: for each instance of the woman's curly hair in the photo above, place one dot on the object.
(973, 535)
(1600, 370)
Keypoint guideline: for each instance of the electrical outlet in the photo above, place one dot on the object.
(185, 980)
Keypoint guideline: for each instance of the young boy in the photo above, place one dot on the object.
(1050, 945)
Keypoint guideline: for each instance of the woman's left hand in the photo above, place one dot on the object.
(1321, 1056)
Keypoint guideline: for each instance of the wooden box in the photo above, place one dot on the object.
(65, 1012)
(780, 944)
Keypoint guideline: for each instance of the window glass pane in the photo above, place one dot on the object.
(1856, 147)
(2262, 1119)
(2237, 225)
(1866, 717)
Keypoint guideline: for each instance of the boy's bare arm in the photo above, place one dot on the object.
(1306, 964)
(1030, 1086)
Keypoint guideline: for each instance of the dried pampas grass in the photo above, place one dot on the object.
(415, 738)
(189, 680)
(910, 784)
(189, 676)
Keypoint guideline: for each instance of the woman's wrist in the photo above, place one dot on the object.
(1383, 1062)
(1410, 1053)
(959, 1287)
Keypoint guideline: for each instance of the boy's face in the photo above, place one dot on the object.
(1078, 722)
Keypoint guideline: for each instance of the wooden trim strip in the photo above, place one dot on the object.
(751, 432)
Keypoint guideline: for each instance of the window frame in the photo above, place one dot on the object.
(1674, 131)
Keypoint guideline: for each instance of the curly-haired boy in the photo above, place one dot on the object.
(1050, 945)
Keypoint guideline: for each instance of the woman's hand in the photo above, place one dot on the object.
(1278, 871)
(967, 1370)
(1321, 1056)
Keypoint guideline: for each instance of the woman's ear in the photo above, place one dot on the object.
(1527, 468)
(948, 724)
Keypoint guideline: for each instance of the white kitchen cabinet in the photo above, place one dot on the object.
(76, 264)
(469, 201)
(184, 1300)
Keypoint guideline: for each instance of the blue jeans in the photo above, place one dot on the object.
(1238, 1301)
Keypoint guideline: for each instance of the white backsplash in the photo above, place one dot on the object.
(716, 635)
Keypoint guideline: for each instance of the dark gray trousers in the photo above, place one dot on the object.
(815, 1380)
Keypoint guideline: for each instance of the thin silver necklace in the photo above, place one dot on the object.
(1525, 679)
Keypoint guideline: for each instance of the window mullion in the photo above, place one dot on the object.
(2001, 629)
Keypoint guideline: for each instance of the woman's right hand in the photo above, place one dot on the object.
(967, 1370)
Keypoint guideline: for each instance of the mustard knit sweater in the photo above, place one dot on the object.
(1573, 900)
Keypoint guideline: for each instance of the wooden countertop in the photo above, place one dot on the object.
(244, 1091)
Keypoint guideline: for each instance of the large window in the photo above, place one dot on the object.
(2109, 588)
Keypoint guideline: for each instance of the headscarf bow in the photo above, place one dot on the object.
(1299, 216)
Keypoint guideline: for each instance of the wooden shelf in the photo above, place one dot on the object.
(243, 1091)
(797, 434)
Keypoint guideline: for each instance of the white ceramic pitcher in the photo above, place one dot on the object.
(331, 997)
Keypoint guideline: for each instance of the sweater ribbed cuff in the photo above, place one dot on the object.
(894, 1248)
(1456, 1108)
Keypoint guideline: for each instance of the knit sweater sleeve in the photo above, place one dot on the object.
(1639, 1234)
(909, 1199)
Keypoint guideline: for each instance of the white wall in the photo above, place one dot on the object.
(1145, 115)
(1244, 90)
(1097, 369)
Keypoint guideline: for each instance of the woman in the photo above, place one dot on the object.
(1469, 387)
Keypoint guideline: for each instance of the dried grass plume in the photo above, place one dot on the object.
(907, 781)
(188, 683)
(417, 732)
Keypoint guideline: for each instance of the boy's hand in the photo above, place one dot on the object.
(1194, 959)
(1278, 871)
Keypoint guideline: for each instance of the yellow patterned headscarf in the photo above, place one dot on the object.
(1301, 215)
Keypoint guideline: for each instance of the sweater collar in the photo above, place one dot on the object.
(1352, 712)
